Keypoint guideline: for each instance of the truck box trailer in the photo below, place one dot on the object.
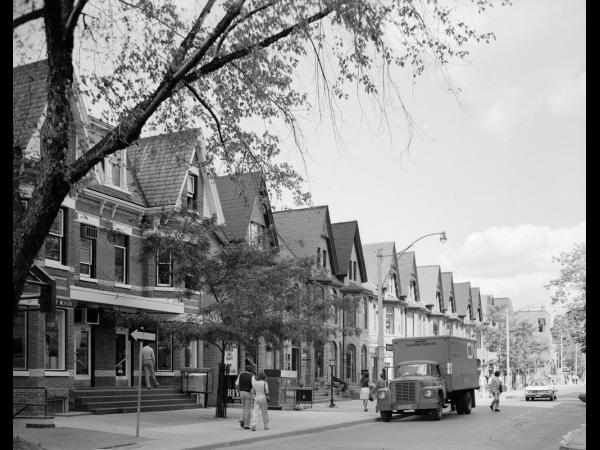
(429, 373)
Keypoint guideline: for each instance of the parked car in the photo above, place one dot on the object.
(540, 389)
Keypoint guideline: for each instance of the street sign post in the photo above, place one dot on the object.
(141, 336)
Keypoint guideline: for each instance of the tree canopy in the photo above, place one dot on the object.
(229, 67)
(569, 289)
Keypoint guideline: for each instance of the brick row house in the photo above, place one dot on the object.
(94, 254)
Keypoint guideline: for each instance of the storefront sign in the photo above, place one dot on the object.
(231, 358)
(65, 303)
(289, 374)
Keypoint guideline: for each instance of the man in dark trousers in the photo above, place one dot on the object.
(244, 385)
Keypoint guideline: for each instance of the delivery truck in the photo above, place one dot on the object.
(430, 373)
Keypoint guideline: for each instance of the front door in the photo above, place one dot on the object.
(122, 358)
(83, 352)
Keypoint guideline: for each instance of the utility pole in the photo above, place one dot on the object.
(380, 310)
(576, 349)
(507, 353)
(562, 378)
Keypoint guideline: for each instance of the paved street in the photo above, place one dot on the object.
(520, 425)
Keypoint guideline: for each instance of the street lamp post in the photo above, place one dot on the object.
(331, 365)
(380, 346)
(507, 354)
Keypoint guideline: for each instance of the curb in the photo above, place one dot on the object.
(283, 434)
(571, 435)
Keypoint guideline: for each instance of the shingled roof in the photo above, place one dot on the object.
(448, 290)
(429, 283)
(462, 291)
(407, 269)
(370, 255)
(476, 301)
(161, 164)
(300, 230)
(238, 194)
(29, 100)
(96, 131)
(346, 235)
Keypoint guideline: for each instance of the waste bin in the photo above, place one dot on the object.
(282, 388)
(197, 381)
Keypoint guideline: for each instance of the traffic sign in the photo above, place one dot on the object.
(145, 336)
(389, 348)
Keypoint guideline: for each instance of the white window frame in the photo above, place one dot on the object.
(191, 194)
(61, 342)
(90, 264)
(389, 312)
(158, 264)
(60, 234)
(124, 273)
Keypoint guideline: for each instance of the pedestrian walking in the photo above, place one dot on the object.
(495, 389)
(482, 385)
(244, 384)
(364, 389)
(148, 366)
(260, 389)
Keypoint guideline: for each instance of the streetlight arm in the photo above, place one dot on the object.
(443, 239)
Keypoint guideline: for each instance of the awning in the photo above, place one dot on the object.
(39, 290)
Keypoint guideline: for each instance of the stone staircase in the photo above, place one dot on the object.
(112, 400)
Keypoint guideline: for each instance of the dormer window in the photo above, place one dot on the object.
(257, 232)
(192, 192)
(115, 170)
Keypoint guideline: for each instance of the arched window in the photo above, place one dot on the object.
(350, 369)
(364, 364)
(435, 328)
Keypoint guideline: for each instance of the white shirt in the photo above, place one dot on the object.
(260, 387)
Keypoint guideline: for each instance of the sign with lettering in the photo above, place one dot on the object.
(231, 358)
(289, 374)
(389, 347)
(65, 303)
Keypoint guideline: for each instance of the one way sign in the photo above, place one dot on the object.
(137, 335)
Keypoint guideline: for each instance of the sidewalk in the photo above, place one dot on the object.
(188, 428)
(575, 440)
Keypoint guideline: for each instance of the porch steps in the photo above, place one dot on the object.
(113, 400)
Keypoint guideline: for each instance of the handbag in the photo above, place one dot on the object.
(500, 388)
(371, 397)
(268, 399)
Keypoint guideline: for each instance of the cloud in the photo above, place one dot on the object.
(569, 99)
(513, 262)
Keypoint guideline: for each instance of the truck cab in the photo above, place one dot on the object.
(417, 386)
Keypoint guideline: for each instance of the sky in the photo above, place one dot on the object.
(501, 168)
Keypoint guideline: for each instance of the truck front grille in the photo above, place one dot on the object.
(405, 392)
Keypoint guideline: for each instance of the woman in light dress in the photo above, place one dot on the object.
(260, 389)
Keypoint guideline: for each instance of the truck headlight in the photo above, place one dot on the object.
(381, 395)
(428, 393)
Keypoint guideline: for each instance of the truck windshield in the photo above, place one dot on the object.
(413, 369)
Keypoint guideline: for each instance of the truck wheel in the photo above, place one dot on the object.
(386, 416)
(436, 414)
(467, 402)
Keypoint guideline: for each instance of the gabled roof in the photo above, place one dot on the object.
(407, 268)
(346, 235)
(161, 164)
(503, 302)
(300, 230)
(448, 289)
(486, 302)
(370, 255)
(429, 283)
(29, 100)
(238, 194)
(96, 131)
(476, 302)
(462, 291)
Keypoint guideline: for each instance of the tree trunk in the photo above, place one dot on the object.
(221, 410)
